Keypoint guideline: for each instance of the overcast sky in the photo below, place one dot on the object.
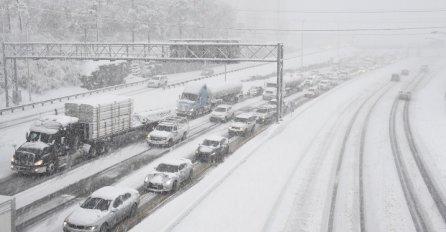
(267, 11)
(264, 14)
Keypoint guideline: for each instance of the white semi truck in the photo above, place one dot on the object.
(290, 85)
(200, 98)
(89, 128)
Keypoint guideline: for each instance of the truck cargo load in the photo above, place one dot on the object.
(103, 115)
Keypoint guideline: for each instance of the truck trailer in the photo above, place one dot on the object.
(89, 128)
(200, 98)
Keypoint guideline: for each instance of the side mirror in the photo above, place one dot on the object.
(52, 142)
(27, 137)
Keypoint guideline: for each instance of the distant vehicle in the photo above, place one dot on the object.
(404, 72)
(200, 98)
(324, 85)
(103, 210)
(243, 124)
(207, 72)
(168, 132)
(255, 91)
(405, 95)
(222, 113)
(266, 114)
(424, 68)
(169, 175)
(311, 93)
(212, 149)
(157, 81)
(290, 86)
(395, 77)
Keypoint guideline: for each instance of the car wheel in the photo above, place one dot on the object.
(174, 186)
(184, 136)
(104, 228)
(93, 152)
(133, 210)
(170, 143)
(191, 173)
(50, 168)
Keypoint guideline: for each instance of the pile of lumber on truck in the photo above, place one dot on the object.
(104, 115)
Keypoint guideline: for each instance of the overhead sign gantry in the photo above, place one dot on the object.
(195, 51)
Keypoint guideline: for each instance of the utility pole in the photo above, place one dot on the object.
(5, 74)
(302, 46)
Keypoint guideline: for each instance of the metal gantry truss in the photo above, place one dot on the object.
(209, 52)
(168, 52)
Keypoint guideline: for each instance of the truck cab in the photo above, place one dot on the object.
(35, 157)
(50, 144)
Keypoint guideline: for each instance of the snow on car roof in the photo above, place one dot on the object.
(175, 161)
(244, 115)
(224, 106)
(111, 192)
(214, 138)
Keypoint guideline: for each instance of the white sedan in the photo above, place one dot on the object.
(169, 175)
(103, 210)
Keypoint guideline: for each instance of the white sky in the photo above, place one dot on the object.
(263, 14)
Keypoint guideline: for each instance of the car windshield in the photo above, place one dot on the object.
(167, 168)
(188, 96)
(220, 109)
(262, 111)
(37, 136)
(241, 120)
(164, 128)
(207, 142)
(96, 203)
(273, 85)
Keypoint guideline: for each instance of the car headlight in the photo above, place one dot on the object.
(191, 110)
(169, 181)
(40, 162)
(92, 227)
(12, 160)
(65, 224)
(147, 179)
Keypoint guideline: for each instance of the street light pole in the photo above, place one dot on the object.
(302, 45)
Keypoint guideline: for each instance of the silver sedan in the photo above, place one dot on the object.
(103, 210)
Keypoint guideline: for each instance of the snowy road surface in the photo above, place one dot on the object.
(281, 181)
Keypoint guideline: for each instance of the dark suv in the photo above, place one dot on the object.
(395, 77)
(212, 149)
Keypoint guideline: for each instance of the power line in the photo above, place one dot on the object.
(347, 11)
(266, 29)
(338, 30)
